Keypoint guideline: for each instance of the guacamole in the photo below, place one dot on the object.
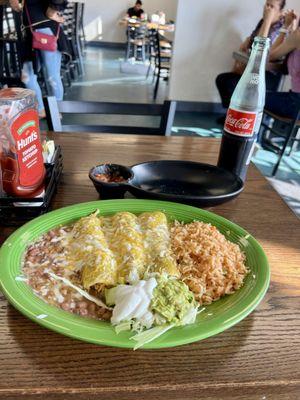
(172, 300)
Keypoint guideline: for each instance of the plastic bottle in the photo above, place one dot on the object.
(21, 159)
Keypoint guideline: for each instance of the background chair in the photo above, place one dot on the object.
(73, 29)
(166, 112)
(160, 53)
(136, 42)
(10, 47)
(278, 133)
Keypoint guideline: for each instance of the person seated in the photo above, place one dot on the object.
(227, 82)
(136, 11)
(285, 104)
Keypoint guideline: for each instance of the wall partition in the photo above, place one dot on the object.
(207, 33)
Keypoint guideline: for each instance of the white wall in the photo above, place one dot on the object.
(207, 32)
(102, 16)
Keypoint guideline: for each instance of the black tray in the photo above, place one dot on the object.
(184, 182)
(10, 215)
(188, 182)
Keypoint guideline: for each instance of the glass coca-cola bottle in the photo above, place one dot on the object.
(245, 112)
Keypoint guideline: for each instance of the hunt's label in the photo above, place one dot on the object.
(241, 123)
(25, 131)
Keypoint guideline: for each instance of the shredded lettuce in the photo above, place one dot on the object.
(123, 326)
(189, 317)
(131, 325)
(159, 319)
(79, 290)
(149, 335)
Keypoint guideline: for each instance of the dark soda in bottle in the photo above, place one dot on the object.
(245, 112)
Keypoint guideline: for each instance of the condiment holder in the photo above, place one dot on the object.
(10, 215)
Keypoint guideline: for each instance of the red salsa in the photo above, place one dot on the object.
(110, 178)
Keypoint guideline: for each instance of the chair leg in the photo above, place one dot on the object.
(156, 85)
(294, 145)
(148, 71)
(265, 130)
(262, 131)
(290, 151)
(128, 51)
(154, 73)
(135, 52)
(281, 154)
(67, 77)
(262, 136)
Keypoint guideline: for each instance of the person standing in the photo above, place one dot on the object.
(44, 16)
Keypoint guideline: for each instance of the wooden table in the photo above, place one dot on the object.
(257, 359)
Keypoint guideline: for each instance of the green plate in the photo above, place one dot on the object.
(215, 318)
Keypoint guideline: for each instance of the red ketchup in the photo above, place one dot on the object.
(21, 158)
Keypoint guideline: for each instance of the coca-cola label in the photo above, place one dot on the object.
(25, 131)
(240, 123)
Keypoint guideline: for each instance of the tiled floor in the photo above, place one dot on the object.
(104, 81)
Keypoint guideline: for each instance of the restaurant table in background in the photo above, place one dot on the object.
(275, 66)
(259, 358)
(170, 27)
(165, 27)
(241, 56)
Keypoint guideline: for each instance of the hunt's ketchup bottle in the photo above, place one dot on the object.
(245, 112)
(21, 158)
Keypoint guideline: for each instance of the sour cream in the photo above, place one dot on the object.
(133, 301)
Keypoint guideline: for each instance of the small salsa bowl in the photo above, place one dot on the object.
(111, 180)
